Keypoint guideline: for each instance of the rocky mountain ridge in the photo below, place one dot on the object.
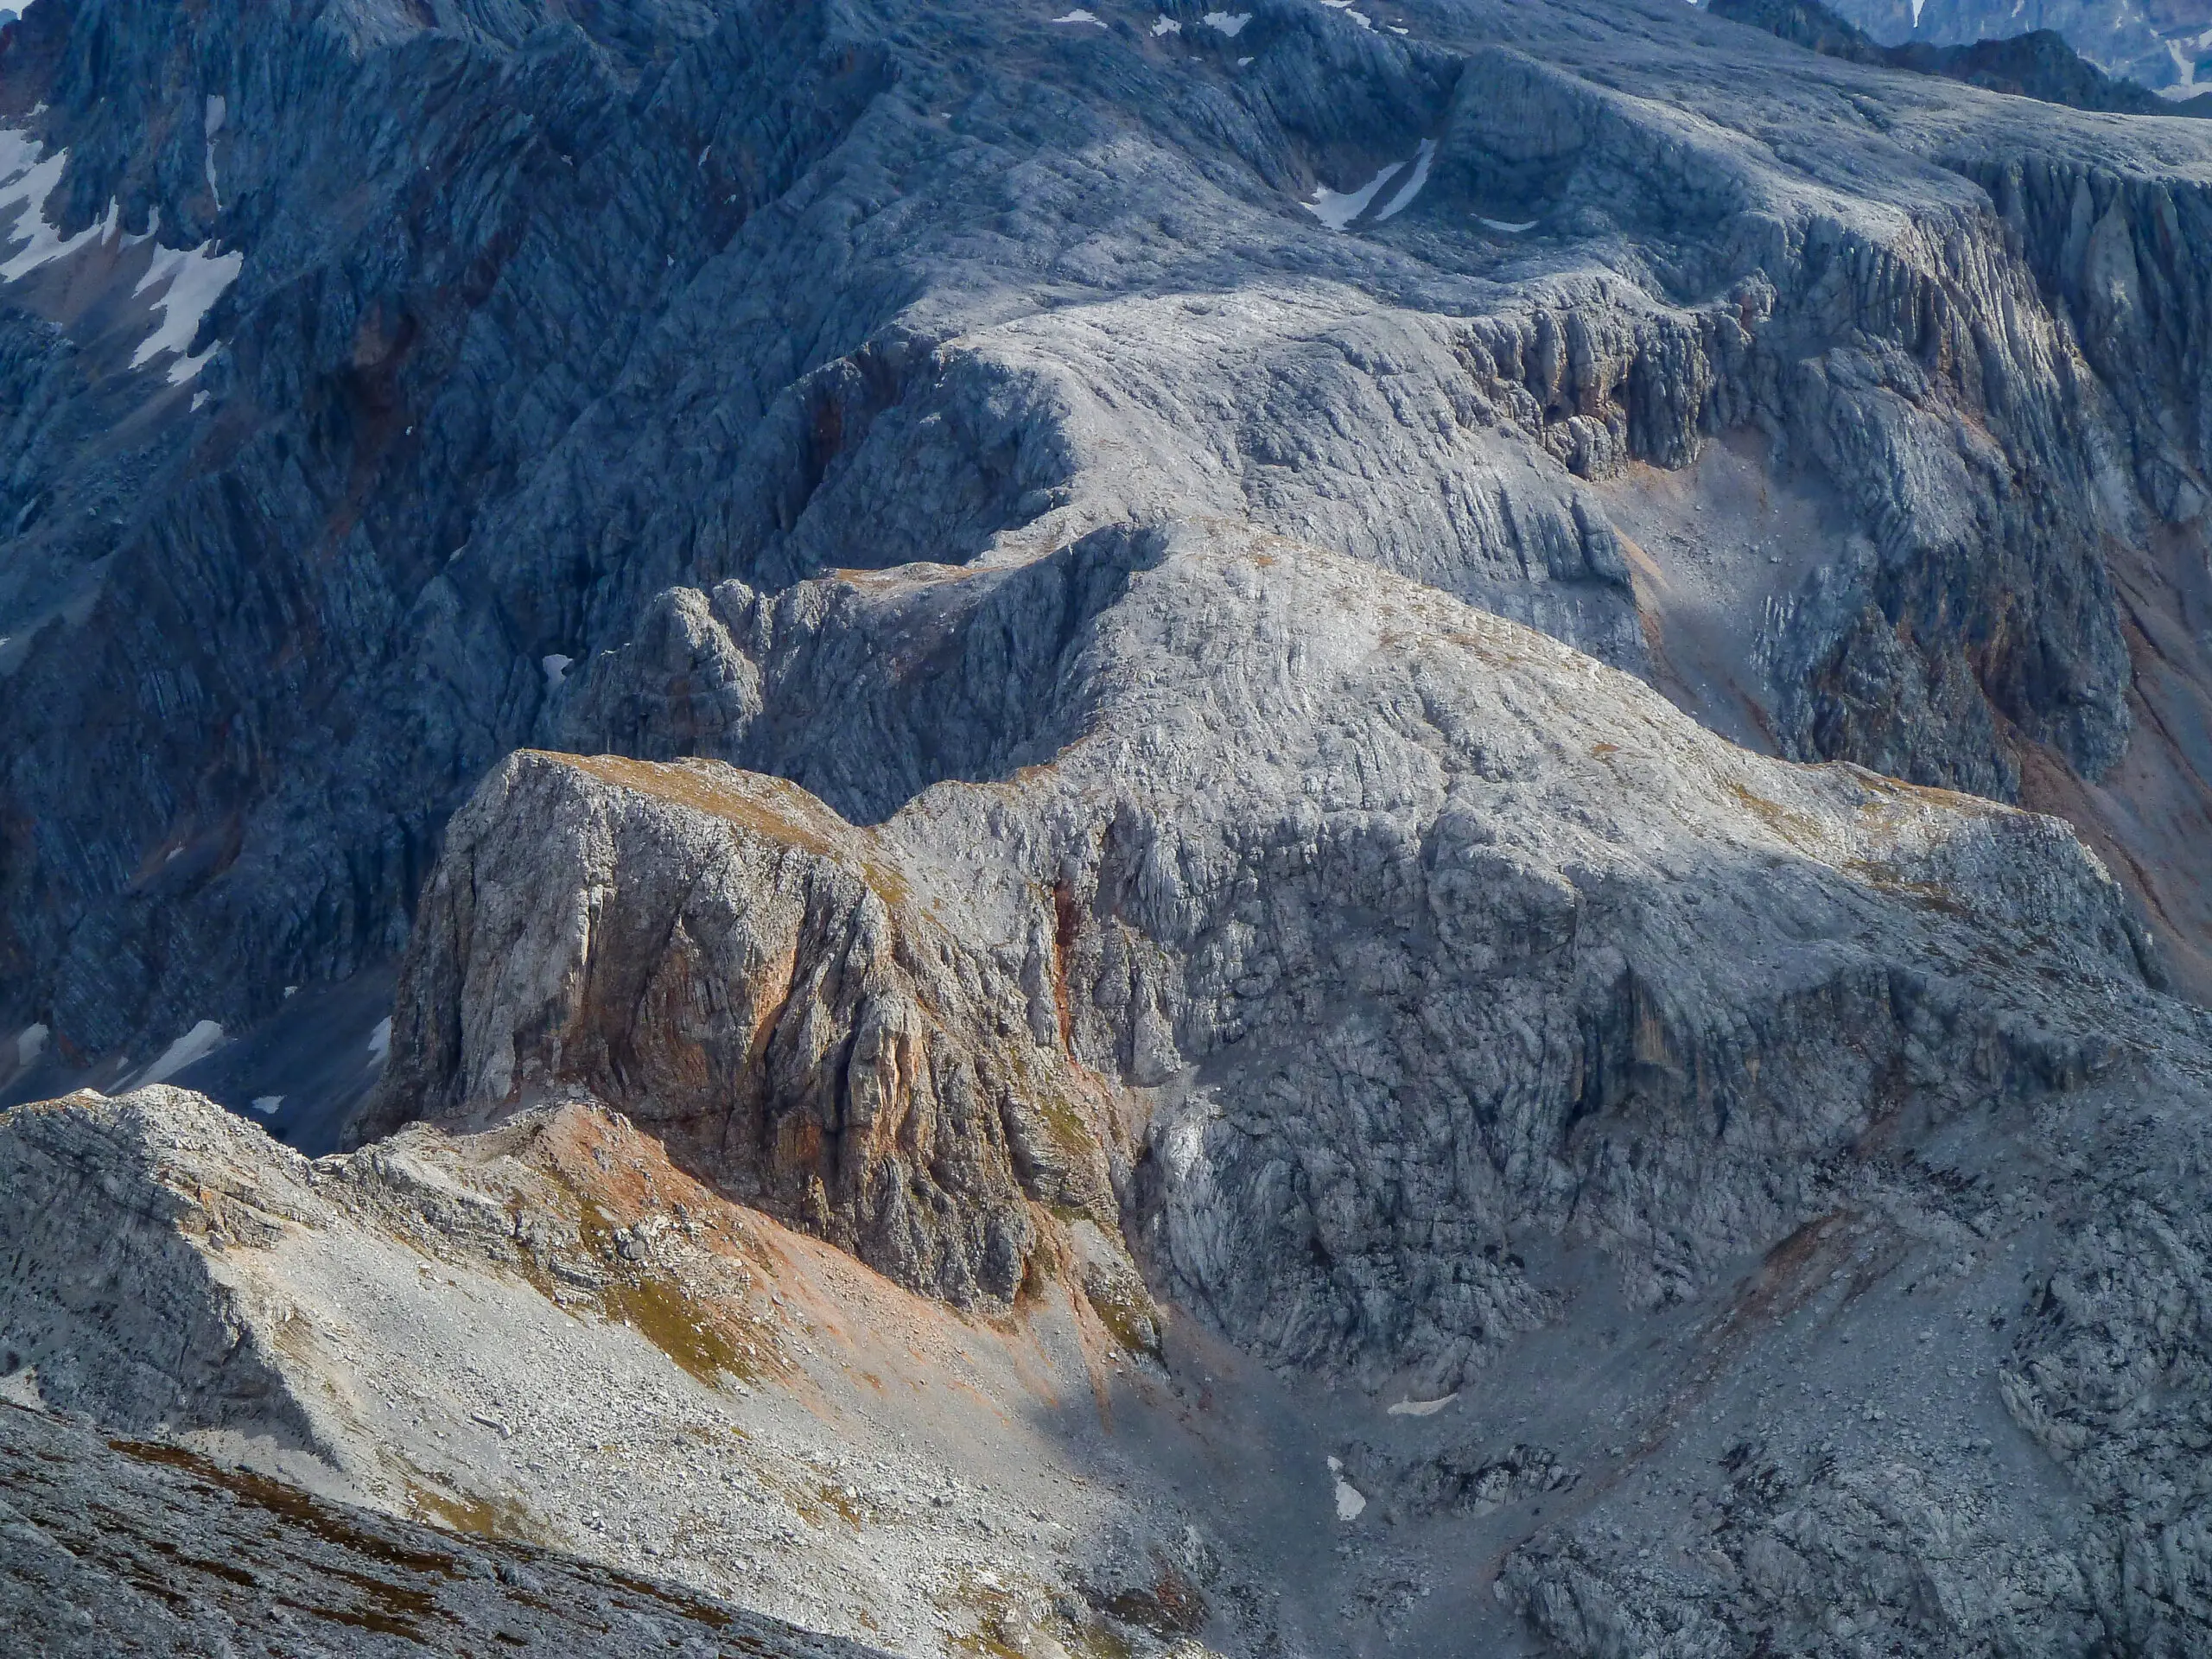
(1826, 297)
(2038, 64)
(1647, 1086)
(2156, 43)
(209, 1555)
(1124, 831)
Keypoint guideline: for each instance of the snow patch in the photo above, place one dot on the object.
(30, 1043)
(197, 1044)
(1350, 1500)
(267, 1104)
(28, 180)
(380, 1042)
(1412, 1407)
(1346, 7)
(1412, 186)
(2185, 64)
(1231, 23)
(1510, 229)
(1079, 16)
(1167, 26)
(556, 667)
(1337, 210)
(191, 280)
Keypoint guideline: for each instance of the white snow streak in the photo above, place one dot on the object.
(211, 122)
(191, 280)
(1412, 186)
(1510, 229)
(1080, 17)
(380, 1042)
(1337, 210)
(185, 282)
(27, 180)
(1350, 1499)
(1410, 1408)
(197, 1044)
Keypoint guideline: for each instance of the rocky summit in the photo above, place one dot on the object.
(840, 826)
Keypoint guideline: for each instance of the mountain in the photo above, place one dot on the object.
(2036, 65)
(1099, 830)
(2156, 43)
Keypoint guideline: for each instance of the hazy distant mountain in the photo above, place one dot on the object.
(2158, 43)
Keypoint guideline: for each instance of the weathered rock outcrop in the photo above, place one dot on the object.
(757, 982)
(111, 1547)
(547, 1337)
(1715, 1151)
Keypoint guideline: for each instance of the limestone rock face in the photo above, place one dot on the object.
(114, 1547)
(752, 979)
(112, 1296)
(1768, 1189)
(1387, 929)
